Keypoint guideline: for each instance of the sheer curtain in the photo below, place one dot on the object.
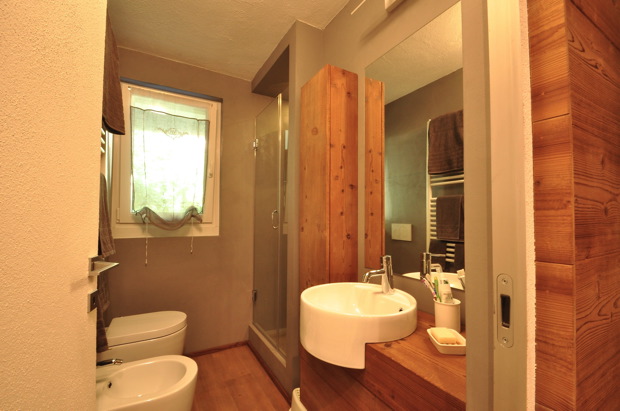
(169, 157)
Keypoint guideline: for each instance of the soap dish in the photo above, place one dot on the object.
(454, 349)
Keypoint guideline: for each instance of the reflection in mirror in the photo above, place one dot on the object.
(423, 80)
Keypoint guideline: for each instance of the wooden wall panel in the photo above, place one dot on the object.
(578, 303)
(555, 330)
(594, 60)
(548, 59)
(343, 226)
(595, 84)
(374, 235)
(598, 332)
(553, 191)
(313, 186)
(604, 14)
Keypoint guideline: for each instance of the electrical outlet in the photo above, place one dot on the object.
(401, 232)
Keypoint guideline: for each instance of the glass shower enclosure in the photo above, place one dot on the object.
(270, 223)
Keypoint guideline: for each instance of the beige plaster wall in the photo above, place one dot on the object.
(50, 106)
(213, 285)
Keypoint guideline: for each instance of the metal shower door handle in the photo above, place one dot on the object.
(276, 225)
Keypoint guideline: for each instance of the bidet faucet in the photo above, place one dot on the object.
(426, 265)
(387, 276)
(113, 361)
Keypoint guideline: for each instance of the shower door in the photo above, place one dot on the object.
(270, 147)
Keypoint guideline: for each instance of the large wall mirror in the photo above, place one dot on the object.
(422, 80)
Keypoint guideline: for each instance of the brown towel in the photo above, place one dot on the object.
(113, 117)
(103, 295)
(102, 304)
(445, 143)
(450, 217)
(106, 242)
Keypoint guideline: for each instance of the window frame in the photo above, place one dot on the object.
(125, 224)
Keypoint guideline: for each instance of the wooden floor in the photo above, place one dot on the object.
(233, 379)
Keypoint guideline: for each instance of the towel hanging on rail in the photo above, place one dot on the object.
(445, 143)
(450, 217)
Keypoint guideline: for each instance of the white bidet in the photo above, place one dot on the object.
(158, 383)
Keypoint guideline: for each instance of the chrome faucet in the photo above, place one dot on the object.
(426, 265)
(113, 361)
(387, 276)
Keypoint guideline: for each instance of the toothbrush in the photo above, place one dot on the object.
(430, 287)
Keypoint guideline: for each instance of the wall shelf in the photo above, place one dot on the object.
(96, 265)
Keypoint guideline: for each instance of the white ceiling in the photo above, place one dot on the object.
(233, 37)
(429, 54)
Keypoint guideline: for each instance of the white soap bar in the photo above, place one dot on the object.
(444, 336)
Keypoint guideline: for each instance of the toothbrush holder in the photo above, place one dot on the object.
(448, 314)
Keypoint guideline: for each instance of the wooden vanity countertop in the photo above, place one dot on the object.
(440, 377)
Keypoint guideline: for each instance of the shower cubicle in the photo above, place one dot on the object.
(270, 226)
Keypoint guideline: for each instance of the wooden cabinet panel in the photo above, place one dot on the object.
(374, 227)
(328, 178)
(313, 187)
(343, 192)
(407, 374)
(328, 387)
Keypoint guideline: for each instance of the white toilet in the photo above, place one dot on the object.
(140, 336)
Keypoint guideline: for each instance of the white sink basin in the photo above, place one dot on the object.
(338, 319)
(159, 383)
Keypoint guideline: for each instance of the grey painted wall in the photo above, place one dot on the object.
(405, 163)
(213, 285)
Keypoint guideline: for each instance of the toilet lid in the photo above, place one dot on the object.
(140, 327)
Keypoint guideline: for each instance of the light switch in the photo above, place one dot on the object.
(401, 232)
(92, 300)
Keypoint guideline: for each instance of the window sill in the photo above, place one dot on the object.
(128, 230)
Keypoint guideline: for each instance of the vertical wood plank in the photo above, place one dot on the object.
(343, 191)
(374, 235)
(314, 185)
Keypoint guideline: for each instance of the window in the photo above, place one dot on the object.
(168, 164)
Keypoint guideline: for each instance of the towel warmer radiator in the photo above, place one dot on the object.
(435, 183)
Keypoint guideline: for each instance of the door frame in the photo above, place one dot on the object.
(499, 203)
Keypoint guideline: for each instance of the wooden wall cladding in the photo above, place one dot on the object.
(597, 328)
(374, 223)
(594, 60)
(548, 59)
(575, 69)
(553, 190)
(555, 336)
(328, 178)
